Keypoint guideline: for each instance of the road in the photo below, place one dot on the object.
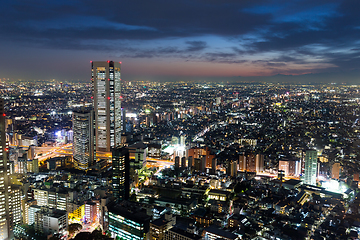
(50, 152)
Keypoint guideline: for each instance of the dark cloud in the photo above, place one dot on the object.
(195, 46)
(272, 34)
(166, 18)
(220, 57)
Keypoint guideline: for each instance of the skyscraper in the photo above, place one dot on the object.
(83, 146)
(4, 179)
(106, 85)
(121, 173)
(310, 167)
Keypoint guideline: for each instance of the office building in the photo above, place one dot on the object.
(183, 162)
(259, 163)
(128, 222)
(180, 234)
(251, 162)
(33, 165)
(199, 164)
(52, 198)
(310, 167)
(83, 145)
(289, 167)
(177, 163)
(160, 226)
(50, 221)
(14, 206)
(106, 85)
(138, 153)
(213, 233)
(31, 214)
(91, 212)
(121, 173)
(26, 204)
(4, 179)
(231, 168)
(335, 171)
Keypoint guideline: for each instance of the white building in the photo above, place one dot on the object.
(51, 221)
(51, 198)
(310, 167)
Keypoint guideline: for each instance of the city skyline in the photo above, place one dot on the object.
(234, 161)
(313, 41)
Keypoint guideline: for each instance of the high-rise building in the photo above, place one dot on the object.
(177, 163)
(231, 168)
(26, 204)
(83, 145)
(14, 206)
(4, 179)
(121, 173)
(106, 85)
(128, 222)
(259, 163)
(251, 162)
(335, 171)
(289, 167)
(310, 167)
(90, 212)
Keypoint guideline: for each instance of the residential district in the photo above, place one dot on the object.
(112, 159)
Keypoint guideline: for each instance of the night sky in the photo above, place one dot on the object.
(317, 40)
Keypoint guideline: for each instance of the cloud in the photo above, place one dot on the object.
(195, 45)
(278, 35)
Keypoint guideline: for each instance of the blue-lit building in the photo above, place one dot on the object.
(128, 222)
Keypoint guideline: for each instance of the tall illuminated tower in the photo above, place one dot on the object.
(310, 167)
(4, 179)
(83, 146)
(106, 84)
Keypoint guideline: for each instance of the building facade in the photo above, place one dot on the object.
(121, 173)
(310, 167)
(106, 83)
(83, 145)
(52, 198)
(251, 162)
(128, 223)
(4, 179)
